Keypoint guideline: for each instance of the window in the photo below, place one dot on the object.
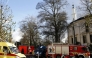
(91, 38)
(72, 40)
(84, 39)
(75, 48)
(90, 25)
(13, 49)
(75, 39)
(4, 48)
(86, 27)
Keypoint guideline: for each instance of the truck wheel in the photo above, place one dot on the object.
(48, 57)
(58, 56)
(32, 57)
(72, 57)
(81, 56)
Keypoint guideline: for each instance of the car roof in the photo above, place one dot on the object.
(6, 44)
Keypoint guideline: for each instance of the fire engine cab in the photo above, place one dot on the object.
(57, 50)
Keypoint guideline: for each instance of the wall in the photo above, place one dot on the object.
(79, 28)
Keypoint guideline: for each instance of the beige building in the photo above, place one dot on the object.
(80, 32)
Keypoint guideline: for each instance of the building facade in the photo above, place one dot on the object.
(83, 34)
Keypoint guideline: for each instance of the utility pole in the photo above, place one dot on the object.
(74, 39)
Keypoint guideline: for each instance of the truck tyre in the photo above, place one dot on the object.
(32, 57)
(81, 56)
(48, 57)
(72, 57)
(76, 56)
(58, 56)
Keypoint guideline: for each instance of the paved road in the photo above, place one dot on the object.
(30, 56)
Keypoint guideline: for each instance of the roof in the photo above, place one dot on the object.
(6, 44)
(76, 21)
(81, 18)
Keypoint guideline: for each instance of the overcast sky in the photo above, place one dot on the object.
(22, 8)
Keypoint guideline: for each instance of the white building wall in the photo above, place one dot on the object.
(79, 32)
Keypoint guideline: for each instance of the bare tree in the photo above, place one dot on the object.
(29, 28)
(46, 42)
(86, 9)
(86, 6)
(6, 23)
(53, 17)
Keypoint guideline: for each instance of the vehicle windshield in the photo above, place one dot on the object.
(14, 49)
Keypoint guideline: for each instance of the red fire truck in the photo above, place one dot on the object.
(57, 50)
(26, 49)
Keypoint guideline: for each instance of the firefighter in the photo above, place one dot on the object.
(33, 52)
(30, 51)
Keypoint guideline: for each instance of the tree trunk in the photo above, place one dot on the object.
(57, 39)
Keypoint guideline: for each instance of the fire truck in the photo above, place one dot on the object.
(26, 49)
(57, 50)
